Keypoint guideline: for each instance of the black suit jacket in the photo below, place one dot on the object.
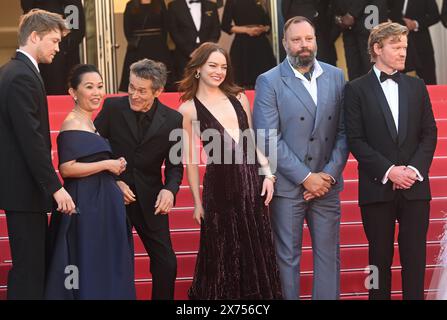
(183, 30)
(55, 74)
(375, 143)
(305, 8)
(117, 123)
(27, 176)
(444, 13)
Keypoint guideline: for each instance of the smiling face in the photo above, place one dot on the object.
(141, 94)
(300, 44)
(214, 71)
(47, 46)
(391, 56)
(89, 92)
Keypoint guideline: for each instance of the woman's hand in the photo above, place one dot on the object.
(267, 190)
(199, 213)
(116, 166)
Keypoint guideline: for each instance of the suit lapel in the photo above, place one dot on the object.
(403, 110)
(20, 56)
(158, 120)
(295, 85)
(323, 86)
(184, 8)
(378, 92)
(131, 120)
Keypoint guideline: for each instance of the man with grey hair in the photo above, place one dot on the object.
(138, 128)
(301, 102)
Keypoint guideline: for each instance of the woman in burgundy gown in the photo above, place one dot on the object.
(236, 258)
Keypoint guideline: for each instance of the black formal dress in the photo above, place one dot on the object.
(55, 75)
(421, 55)
(146, 147)
(250, 56)
(184, 32)
(236, 258)
(95, 240)
(27, 176)
(146, 29)
(377, 144)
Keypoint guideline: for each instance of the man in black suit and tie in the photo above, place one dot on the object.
(418, 16)
(55, 75)
(392, 134)
(138, 127)
(353, 20)
(191, 23)
(28, 181)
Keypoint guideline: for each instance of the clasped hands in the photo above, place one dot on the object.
(254, 31)
(345, 22)
(317, 185)
(402, 177)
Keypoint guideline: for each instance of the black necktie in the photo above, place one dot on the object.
(144, 122)
(385, 76)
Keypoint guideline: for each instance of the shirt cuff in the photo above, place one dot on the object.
(418, 174)
(385, 177)
(308, 175)
(333, 179)
(417, 26)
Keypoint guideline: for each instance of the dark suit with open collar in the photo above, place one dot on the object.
(184, 33)
(27, 177)
(377, 145)
(117, 122)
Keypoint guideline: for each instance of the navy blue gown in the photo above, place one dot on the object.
(96, 240)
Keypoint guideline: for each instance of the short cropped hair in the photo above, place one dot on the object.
(382, 32)
(150, 70)
(41, 21)
(295, 20)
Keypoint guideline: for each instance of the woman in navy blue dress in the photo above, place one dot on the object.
(91, 250)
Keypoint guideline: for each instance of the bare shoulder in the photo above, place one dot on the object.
(188, 110)
(242, 97)
(71, 123)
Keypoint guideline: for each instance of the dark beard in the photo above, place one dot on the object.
(297, 62)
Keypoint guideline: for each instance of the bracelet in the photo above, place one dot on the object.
(271, 177)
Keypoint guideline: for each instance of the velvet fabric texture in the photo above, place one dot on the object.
(236, 258)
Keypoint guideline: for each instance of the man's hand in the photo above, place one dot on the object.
(129, 196)
(309, 195)
(402, 177)
(165, 202)
(317, 184)
(64, 201)
(410, 174)
(411, 24)
(348, 21)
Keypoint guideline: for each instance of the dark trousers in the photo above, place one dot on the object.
(379, 222)
(356, 53)
(154, 233)
(27, 239)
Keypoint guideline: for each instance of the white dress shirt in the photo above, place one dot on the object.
(31, 58)
(195, 10)
(391, 91)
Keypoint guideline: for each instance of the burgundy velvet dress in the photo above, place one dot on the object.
(236, 258)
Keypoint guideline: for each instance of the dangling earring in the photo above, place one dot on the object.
(75, 100)
(197, 75)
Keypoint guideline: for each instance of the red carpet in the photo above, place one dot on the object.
(354, 249)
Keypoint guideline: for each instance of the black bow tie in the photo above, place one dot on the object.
(194, 1)
(385, 76)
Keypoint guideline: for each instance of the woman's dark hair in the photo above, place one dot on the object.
(76, 73)
(189, 84)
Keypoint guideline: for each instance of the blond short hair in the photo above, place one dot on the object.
(382, 32)
(41, 21)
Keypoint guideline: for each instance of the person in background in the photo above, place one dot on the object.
(146, 31)
(251, 52)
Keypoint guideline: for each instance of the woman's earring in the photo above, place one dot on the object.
(75, 100)
(197, 75)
